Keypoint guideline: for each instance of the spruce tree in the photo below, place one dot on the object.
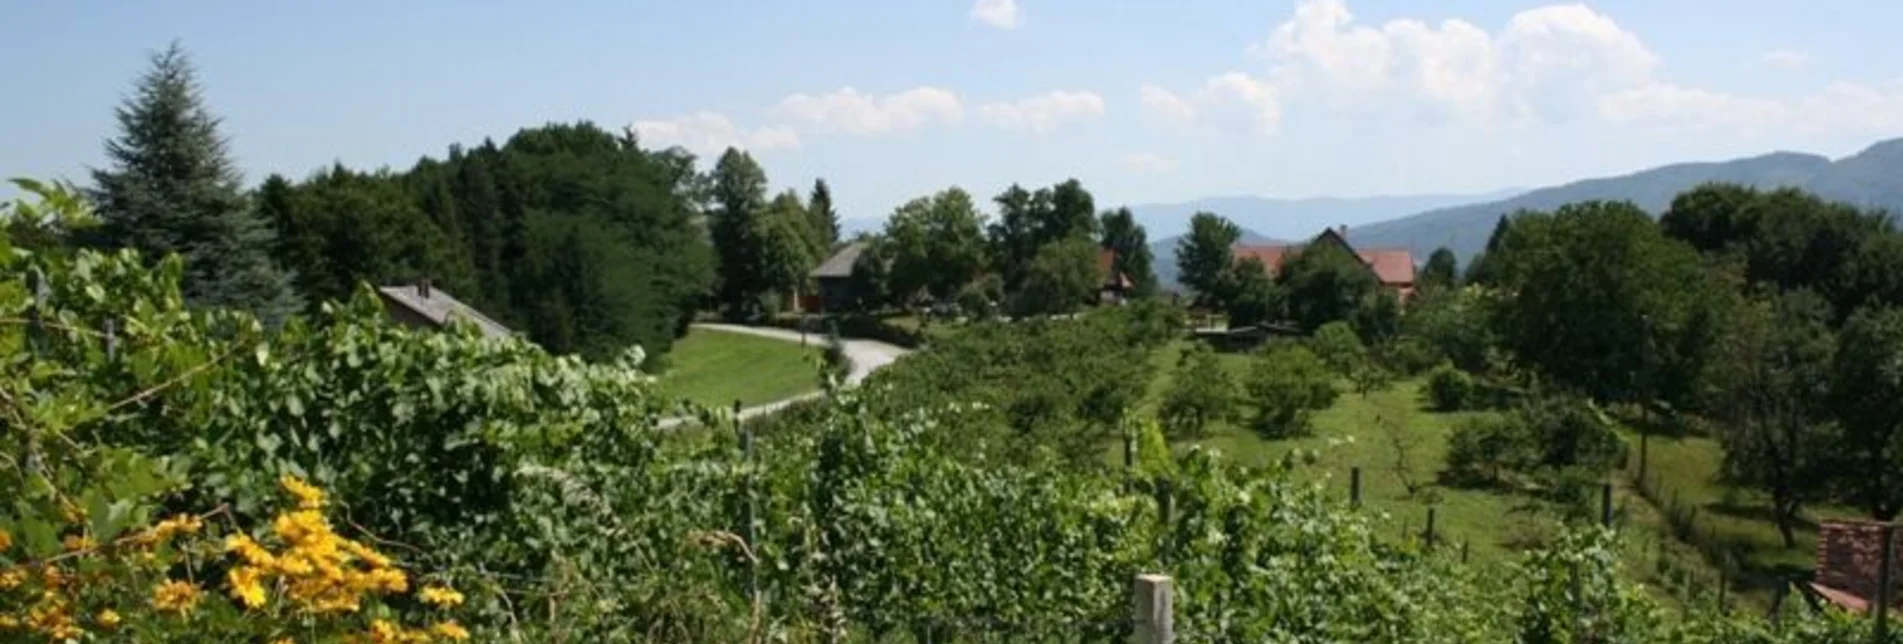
(172, 188)
(825, 219)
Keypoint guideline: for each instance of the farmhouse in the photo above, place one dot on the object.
(421, 305)
(835, 278)
(1393, 267)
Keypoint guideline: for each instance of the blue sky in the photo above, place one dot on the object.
(1143, 101)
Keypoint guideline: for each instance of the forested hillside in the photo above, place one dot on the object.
(576, 236)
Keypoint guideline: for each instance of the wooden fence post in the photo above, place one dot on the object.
(1884, 580)
(1605, 504)
(746, 529)
(1154, 621)
(112, 340)
(1644, 443)
(1354, 487)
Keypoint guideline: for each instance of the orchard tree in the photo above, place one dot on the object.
(171, 187)
(1770, 387)
(936, 245)
(1287, 382)
(1202, 393)
(1867, 393)
(1205, 258)
(1123, 236)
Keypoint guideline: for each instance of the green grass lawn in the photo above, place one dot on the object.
(1496, 524)
(1355, 433)
(1728, 524)
(717, 367)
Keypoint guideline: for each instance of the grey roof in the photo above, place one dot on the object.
(440, 307)
(840, 264)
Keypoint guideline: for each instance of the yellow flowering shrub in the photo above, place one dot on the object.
(177, 581)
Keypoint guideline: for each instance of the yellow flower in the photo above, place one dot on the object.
(249, 550)
(441, 596)
(283, 640)
(77, 542)
(450, 630)
(176, 596)
(11, 578)
(108, 618)
(247, 585)
(181, 524)
(6, 540)
(308, 496)
(74, 513)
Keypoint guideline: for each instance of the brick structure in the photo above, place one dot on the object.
(1849, 556)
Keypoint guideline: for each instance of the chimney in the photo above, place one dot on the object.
(423, 288)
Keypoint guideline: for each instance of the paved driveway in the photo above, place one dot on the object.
(866, 357)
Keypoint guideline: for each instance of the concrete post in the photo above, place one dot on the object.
(1154, 621)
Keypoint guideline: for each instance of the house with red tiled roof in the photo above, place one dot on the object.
(1392, 267)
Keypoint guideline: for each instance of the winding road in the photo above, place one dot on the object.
(866, 357)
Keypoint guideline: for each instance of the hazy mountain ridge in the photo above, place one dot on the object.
(1871, 178)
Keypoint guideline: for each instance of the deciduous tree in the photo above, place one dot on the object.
(1204, 258)
(1770, 386)
(1123, 236)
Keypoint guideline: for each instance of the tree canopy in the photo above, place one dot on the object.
(1123, 236)
(1204, 258)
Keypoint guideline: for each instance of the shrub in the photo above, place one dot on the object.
(1337, 344)
(1483, 448)
(1286, 382)
(1201, 394)
(1450, 389)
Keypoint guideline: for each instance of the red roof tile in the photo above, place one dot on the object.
(1393, 266)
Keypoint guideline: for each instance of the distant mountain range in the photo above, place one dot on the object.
(1872, 178)
(1297, 218)
(1277, 218)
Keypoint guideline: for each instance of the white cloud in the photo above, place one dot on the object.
(1045, 112)
(1546, 61)
(1227, 102)
(707, 133)
(1168, 105)
(1785, 59)
(1002, 14)
(1146, 163)
(851, 111)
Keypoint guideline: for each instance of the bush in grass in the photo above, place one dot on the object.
(1450, 389)
(1202, 394)
(1286, 382)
